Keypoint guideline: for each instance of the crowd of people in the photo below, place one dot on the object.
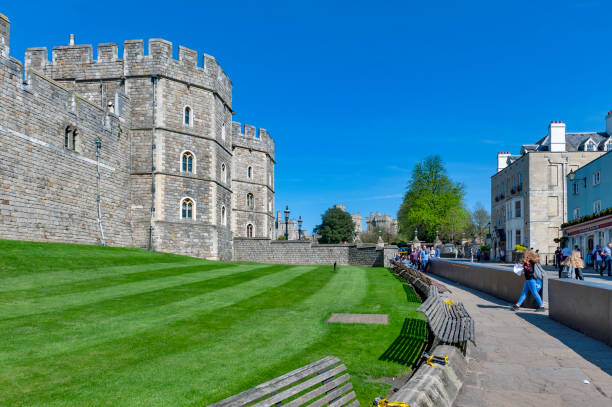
(419, 258)
(570, 262)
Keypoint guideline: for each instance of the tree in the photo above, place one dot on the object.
(371, 236)
(432, 202)
(336, 226)
(479, 222)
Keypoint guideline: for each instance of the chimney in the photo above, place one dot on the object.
(71, 39)
(609, 123)
(5, 36)
(502, 160)
(556, 136)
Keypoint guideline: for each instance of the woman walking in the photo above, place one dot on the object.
(575, 261)
(532, 285)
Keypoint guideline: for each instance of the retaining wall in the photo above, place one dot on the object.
(583, 306)
(262, 250)
(496, 281)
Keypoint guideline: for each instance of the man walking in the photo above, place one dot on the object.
(607, 258)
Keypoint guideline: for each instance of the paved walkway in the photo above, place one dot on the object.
(526, 359)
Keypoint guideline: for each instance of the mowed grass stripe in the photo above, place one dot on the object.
(28, 306)
(162, 356)
(53, 278)
(92, 284)
(68, 335)
(18, 257)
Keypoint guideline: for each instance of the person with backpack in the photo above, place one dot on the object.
(532, 270)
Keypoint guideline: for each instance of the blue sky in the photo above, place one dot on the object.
(354, 93)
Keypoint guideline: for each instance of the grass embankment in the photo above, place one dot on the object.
(86, 325)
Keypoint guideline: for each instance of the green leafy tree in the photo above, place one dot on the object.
(371, 236)
(336, 226)
(433, 202)
(479, 222)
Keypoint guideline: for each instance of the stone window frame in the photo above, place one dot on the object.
(191, 114)
(193, 164)
(223, 131)
(250, 230)
(224, 173)
(223, 215)
(193, 208)
(71, 136)
(250, 172)
(250, 200)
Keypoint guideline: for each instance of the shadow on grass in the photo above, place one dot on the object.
(407, 347)
(411, 296)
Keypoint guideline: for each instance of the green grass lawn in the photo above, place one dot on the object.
(92, 326)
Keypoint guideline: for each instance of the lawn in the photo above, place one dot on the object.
(92, 326)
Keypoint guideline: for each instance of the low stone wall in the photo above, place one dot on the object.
(496, 281)
(262, 250)
(583, 306)
(435, 385)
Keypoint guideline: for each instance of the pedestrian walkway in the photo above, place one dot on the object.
(526, 359)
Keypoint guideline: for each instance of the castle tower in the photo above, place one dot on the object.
(253, 182)
(180, 137)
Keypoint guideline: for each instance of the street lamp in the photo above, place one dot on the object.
(300, 228)
(572, 176)
(415, 233)
(287, 222)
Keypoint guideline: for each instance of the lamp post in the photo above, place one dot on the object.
(572, 176)
(300, 228)
(98, 142)
(287, 222)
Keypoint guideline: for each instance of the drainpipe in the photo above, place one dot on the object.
(98, 142)
(153, 105)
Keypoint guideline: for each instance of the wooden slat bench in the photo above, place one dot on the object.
(325, 381)
(450, 323)
(417, 279)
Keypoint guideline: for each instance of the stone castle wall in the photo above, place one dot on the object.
(154, 89)
(262, 250)
(48, 192)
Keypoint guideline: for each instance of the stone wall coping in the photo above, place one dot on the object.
(435, 385)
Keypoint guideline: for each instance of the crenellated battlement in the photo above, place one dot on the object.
(252, 138)
(76, 62)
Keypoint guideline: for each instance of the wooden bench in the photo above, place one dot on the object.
(417, 279)
(449, 322)
(325, 381)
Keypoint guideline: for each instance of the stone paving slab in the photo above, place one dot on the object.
(382, 319)
(526, 359)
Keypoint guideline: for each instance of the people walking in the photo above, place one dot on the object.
(597, 260)
(575, 261)
(607, 258)
(424, 257)
(532, 284)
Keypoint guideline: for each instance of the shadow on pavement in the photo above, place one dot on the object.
(590, 349)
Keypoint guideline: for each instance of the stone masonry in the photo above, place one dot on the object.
(152, 113)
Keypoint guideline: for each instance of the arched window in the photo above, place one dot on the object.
(70, 138)
(223, 132)
(249, 230)
(250, 172)
(223, 173)
(188, 116)
(187, 162)
(223, 216)
(249, 200)
(187, 209)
